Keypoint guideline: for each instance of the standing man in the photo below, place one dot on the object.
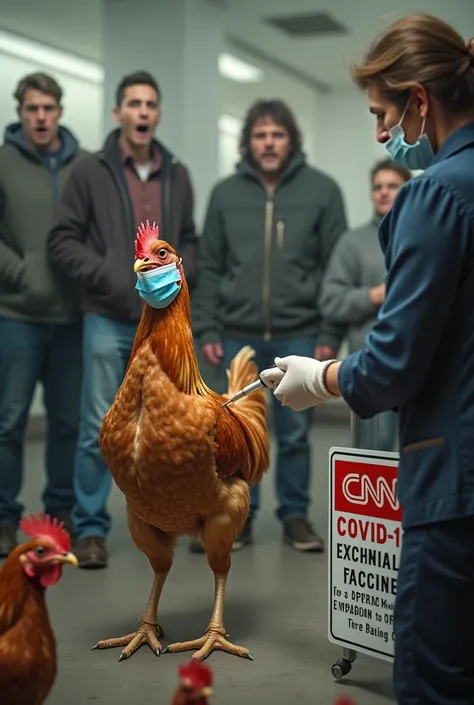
(269, 232)
(40, 321)
(134, 178)
(353, 290)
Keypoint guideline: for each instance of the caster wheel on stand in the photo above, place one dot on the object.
(341, 668)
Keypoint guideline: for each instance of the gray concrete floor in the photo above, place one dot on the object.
(276, 606)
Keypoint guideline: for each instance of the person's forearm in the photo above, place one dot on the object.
(330, 379)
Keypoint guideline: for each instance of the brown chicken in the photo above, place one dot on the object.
(183, 462)
(27, 643)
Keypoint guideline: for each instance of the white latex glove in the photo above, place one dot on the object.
(303, 384)
(272, 377)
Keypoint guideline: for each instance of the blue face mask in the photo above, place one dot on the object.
(413, 156)
(160, 286)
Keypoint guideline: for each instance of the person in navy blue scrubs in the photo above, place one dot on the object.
(419, 356)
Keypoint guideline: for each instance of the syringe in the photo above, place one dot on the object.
(273, 377)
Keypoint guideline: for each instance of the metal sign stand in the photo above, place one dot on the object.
(373, 508)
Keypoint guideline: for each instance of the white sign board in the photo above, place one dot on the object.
(365, 536)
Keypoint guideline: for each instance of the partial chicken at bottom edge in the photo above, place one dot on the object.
(28, 659)
(183, 461)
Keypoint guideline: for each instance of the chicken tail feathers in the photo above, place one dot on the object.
(251, 413)
(243, 370)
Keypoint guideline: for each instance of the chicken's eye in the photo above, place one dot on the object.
(162, 253)
(40, 551)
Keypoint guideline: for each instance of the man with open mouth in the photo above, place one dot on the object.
(134, 178)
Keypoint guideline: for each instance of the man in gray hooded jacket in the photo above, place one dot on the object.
(40, 323)
(353, 290)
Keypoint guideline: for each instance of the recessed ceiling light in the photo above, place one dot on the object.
(237, 70)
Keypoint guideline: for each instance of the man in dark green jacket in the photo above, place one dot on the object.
(269, 233)
(40, 319)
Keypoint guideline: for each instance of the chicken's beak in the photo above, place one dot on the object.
(139, 263)
(67, 558)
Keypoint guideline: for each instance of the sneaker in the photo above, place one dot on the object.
(196, 546)
(91, 552)
(244, 538)
(300, 535)
(8, 539)
(241, 540)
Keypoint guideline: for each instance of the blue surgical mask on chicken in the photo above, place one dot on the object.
(412, 156)
(159, 286)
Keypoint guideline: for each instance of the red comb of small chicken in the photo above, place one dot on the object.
(145, 236)
(198, 673)
(344, 701)
(43, 525)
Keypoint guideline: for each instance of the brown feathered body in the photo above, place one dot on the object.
(179, 457)
(27, 643)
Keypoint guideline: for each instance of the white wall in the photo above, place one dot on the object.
(230, 128)
(347, 148)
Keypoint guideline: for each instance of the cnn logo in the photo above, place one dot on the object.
(367, 489)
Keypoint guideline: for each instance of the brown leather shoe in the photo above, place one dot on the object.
(8, 539)
(91, 552)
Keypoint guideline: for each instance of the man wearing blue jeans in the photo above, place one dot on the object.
(292, 476)
(134, 178)
(40, 319)
(269, 232)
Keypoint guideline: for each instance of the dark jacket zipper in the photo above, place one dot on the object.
(280, 228)
(267, 333)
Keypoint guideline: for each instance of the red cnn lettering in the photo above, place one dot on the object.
(366, 489)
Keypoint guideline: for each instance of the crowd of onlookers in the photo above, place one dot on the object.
(275, 266)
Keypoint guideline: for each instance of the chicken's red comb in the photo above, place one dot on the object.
(43, 525)
(198, 673)
(145, 236)
(344, 700)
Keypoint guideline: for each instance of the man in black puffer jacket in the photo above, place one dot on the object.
(269, 233)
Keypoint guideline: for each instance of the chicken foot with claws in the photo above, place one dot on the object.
(149, 630)
(214, 638)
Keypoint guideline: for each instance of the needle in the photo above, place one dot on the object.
(274, 376)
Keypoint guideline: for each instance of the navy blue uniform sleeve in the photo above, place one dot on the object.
(427, 245)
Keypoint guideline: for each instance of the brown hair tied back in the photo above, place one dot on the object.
(469, 58)
(420, 49)
(470, 48)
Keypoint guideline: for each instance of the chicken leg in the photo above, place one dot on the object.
(214, 638)
(149, 630)
(159, 549)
